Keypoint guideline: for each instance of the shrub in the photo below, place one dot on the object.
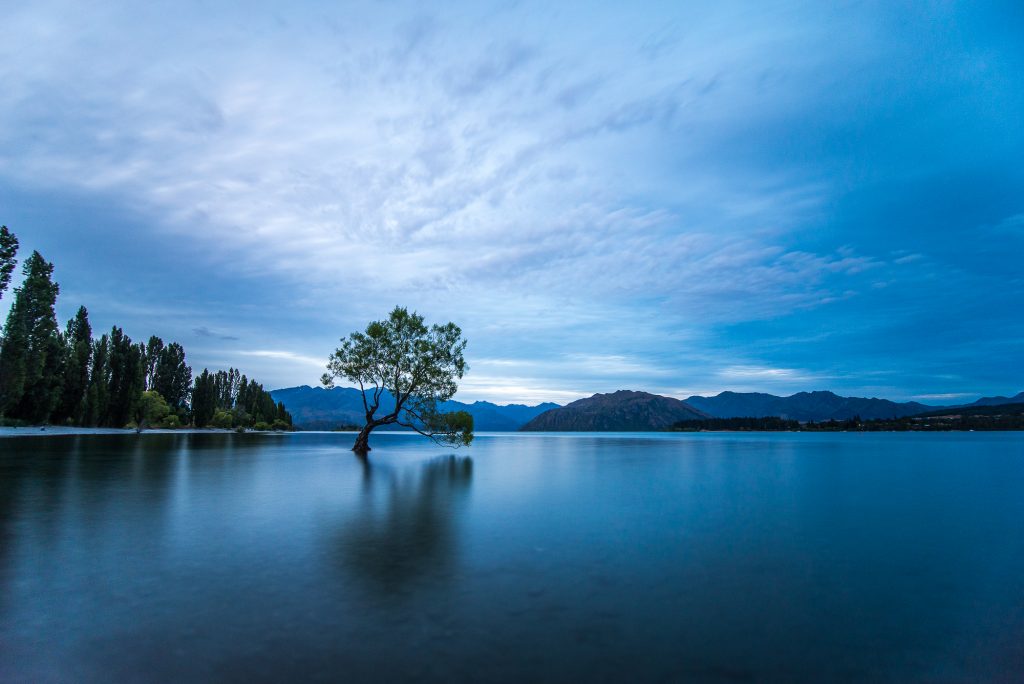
(222, 419)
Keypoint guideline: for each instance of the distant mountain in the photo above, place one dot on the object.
(976, 409)
(803, 406)
(317, 408)
(996, 401)
(620, 411)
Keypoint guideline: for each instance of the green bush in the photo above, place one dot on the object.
(222, 419)
(151, 409)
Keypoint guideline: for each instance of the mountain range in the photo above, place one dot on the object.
(316, 408)
(622, 411)
(998, 401)
(803, 406)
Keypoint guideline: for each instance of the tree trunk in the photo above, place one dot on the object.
(362, 445)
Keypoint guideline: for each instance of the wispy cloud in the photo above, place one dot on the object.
(943, 396)
(203, 331)
(285, 356)
(676, 196)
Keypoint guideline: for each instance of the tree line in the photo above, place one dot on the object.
(66, 377)
(1005, 417)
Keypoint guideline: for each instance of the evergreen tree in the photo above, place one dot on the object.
(78, 347)
(69, 377)
(13, 356)
(172, 377)
(8, 252)
(97, 397)
(204, 399)
(153, 349)
(282, 415)
(127, 378)
(30, 359)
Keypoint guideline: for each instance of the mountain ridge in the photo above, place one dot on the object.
(621, 411)
(318, 408)
(998, 400)
(803, 406)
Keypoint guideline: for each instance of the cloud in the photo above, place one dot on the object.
(203, 331)
(943, 396)
(284, 356)
(583, 193)
(1011, 224)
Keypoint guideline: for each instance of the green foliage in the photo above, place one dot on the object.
(417, 366)
(172, 377)
(283, 417)
(8, 254)
(1001, 417)
(228, 399)
(153, 349)
(78, 349)
(97, 396)
(31, 359)
(127, 378)
(150, 409)
(204, 399)
(171, 422)
(453, 429)
(767, 424)
(72, 379)
(222, 419)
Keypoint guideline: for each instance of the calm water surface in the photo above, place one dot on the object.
(784, 557)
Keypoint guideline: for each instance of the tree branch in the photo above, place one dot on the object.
(362, 393)
(432, 436)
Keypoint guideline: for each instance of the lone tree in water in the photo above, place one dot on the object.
(410, 368)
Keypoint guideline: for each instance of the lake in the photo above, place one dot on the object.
(526, 557)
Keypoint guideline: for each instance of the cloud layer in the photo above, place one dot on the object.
(679, 199)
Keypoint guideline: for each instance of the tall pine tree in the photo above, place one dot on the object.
(8, 252)
(153, 349)
(172, 378)
(30, 359)
(77, 356)
(204, 399)
(127, 378)
(97, 397)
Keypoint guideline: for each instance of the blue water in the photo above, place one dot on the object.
(686, 557)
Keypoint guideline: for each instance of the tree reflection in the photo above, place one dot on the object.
(404, 528)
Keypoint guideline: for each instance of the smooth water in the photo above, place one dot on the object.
(687, 557)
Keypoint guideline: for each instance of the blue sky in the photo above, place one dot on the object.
(677, 197)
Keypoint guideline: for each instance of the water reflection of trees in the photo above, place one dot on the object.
(66, 500)
(404, 527)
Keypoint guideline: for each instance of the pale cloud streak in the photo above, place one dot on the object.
(655, 197)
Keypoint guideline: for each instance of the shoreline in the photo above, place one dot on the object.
(51, 430)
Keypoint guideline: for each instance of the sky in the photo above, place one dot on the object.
(681, 198)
